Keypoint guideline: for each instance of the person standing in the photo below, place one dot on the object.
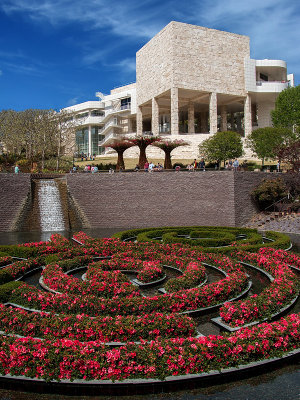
(17, 170)
(236, 164)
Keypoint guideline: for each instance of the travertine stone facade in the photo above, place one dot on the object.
(223, 118)
(191, 117)
(247, 115)
(174, 111)
(155, 117)
(192, 57)
(213, 116)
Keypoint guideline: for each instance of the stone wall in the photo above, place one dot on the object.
(15, 198)
(127, 200)
(191, 57)
(136, 200)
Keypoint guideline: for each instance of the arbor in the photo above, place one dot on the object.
(168, 146)
(143, 142)
(120, 145)
(287, 109)
(264, 141)
(222, 146)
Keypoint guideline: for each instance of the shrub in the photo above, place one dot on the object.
(268, 192)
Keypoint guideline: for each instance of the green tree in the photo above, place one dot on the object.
(264, 141)
(287, 109)
(222, 146)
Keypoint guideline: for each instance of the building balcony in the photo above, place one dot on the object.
(90, 120)
(271, 86)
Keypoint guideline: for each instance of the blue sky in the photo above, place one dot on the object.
(55, 53)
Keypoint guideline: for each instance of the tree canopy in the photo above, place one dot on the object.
(168, 146)
(287, 109)
(222, 146)
(37, 134)
(264, 141)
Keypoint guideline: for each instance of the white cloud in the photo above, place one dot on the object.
(129, 19)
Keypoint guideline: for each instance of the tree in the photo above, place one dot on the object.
(168, 146)
(143, 142)
(264, 141)
(222, 146)
(290, 153)
(38, 134)
(287, 109)
(120, 145)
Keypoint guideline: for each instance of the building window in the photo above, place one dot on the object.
(125, 103)
(82, 141)
(264, 77)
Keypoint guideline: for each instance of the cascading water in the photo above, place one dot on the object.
(51, 213)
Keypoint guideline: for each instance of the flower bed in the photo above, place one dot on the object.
(73, 344)
(150, 272)
(281, 291)
(83, 328)
(70, 359)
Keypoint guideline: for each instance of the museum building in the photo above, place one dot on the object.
(191, 81)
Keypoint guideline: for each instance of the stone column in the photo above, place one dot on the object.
(247, 116)
(224, 118)
(191, 118)
(232, 127)
(129, 125)
(155, 117)
(203, 122)
(239, 122)
(174, 111)
(139, 121)
(90, 140)
(213, 113)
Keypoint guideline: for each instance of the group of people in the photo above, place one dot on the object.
(197, 165)
(150, 167)
(86, 157)
(235, 165)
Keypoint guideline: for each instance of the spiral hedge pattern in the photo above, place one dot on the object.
(102, 327)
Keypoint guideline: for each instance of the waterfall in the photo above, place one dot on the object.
(51, 213)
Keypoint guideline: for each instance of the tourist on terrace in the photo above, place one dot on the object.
(236, 164)
(202, 165)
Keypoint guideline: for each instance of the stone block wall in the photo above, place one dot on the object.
(191, 57)
(15, 196)
(136, 200)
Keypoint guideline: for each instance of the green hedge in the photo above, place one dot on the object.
(19, 251)
(214, 239)
(6, 289)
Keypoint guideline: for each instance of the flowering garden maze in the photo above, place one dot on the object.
(89, 322)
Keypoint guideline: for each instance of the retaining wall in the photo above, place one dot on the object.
(15, 195)
(136, 200)
(124, 200)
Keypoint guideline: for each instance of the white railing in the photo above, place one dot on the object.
(112, 135)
